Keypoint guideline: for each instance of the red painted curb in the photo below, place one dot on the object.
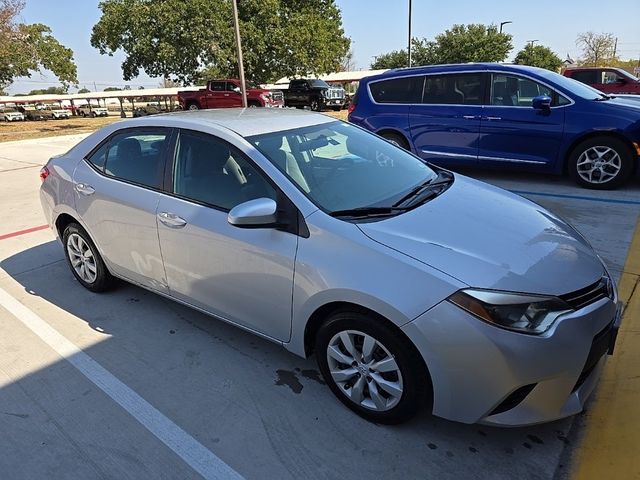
(22, 232)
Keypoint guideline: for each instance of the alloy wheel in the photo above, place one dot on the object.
(82, 258)
(364, 370)
(599, 164)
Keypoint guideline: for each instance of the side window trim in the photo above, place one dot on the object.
(125, 131)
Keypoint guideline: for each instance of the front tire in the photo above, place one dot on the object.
(600, 163)
(372, 369)
(395, 139)
(83, 259)
(315, 105)
(193, 106)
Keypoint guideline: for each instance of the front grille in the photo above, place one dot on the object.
(588, 295)
(277, 95)
(335, 93)
(514, 399)
(599, 346)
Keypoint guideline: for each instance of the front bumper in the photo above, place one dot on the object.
(484, 374)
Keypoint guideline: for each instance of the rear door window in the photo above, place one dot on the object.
(135, 155)
(590, 77)
(454, 89)
(398, 90)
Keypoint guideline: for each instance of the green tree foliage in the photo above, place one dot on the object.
(539, 56)
(112, 89)
(50, 91)
(84, 90)
(472, 43)
(174, 38)
(459, 44)
(598, 49)
(27, 48)
(423, 52)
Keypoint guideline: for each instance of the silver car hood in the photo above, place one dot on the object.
(487, 237)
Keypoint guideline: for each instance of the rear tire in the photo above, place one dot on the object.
(84, 260)
(395, 139)
(600, 163)
(379, 375)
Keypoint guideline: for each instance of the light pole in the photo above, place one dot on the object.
(243, 88)
(531, 42)
(409, 42)
(504, 23)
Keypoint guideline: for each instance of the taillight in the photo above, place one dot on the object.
(44, 173)
(352, 107)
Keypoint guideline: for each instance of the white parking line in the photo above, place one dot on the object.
(184, 445)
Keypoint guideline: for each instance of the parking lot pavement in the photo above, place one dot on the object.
(111, 385)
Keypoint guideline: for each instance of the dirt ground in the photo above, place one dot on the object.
(50, 128)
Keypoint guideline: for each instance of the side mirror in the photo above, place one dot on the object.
(236, 89)
(257, 213)
(621, 81)
(541, 102)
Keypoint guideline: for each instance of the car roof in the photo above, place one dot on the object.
(244, 121)
(454, 67)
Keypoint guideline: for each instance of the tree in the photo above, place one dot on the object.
(49, 91)
(174, 38)
(27, 48)
(84, 90)
(472, 43)
(423, 52)
(538, 56)
(598, 50)
(112, 89)
(460, 44)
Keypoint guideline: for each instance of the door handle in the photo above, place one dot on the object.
(470, 117)
(492, 118)
(84, 189)
(226, 94)
(171, 220)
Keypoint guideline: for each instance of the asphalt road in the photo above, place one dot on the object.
(130, 385)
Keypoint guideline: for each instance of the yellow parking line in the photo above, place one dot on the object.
(610, 444)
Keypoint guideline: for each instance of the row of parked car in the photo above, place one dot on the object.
(49, 112)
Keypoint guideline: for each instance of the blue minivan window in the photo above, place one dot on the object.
(398, 90)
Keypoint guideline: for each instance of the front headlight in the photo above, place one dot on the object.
(531, 314)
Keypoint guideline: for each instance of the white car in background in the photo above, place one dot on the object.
(10, 114)
(92, 111)
(56, 112)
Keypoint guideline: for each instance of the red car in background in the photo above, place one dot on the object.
(226, 94)
(606, 79)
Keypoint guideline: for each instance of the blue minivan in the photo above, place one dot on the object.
(509, 116)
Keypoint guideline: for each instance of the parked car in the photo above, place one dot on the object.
(226, 94)
(146, 111)
(88, 110)
(11, 114)
(55, 112)
(315, 94)
(32, 113)
(413, 286)
(504, 116)
(606, 79)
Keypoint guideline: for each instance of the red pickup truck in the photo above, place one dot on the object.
(606, 79)
(226, 94)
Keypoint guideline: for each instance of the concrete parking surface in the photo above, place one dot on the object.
(131, 385)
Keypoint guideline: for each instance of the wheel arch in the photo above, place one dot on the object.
(398, 132)
(322, 313)
(595, 134)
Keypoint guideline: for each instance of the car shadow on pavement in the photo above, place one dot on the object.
(263, 410)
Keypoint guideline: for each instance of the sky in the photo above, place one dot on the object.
(374, 26)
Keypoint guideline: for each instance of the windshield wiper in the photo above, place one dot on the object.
(365, 212)
(427, 190)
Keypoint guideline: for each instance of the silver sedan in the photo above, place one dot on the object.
(413, 286)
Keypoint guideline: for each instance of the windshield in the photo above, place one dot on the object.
(574, 87)
(624, 73)
(341, 167)
(317, 83)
